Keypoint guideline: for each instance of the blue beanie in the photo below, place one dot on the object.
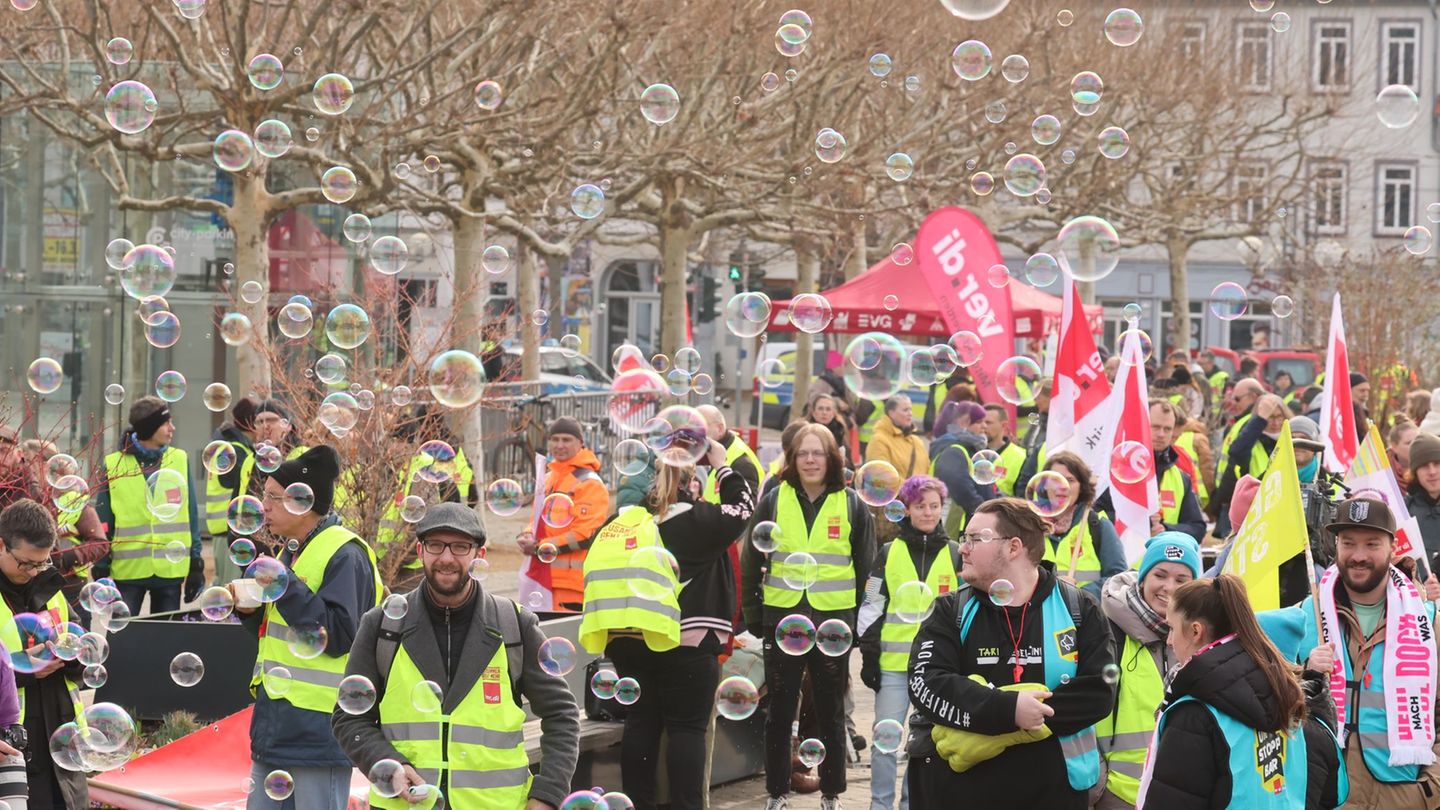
(1173, 547)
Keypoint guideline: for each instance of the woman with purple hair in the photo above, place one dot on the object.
(955, 442)
(910, 571)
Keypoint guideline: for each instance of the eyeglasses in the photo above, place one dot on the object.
(32, 567)
(804, 454)
(436, 548)
(977, 538)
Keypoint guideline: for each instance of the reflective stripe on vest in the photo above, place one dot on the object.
(1172, 494)
(392, 527)
(612, 567)
(1225, 445)
(1267, 770)
(1082, 756)
(58, 612)
(828, 542)
(314, 679)
(897, 634)
(1124, 735)
(1012, 458)
(737, 449)
(138, 547)
(1087, 565)
(478, 747)
(218, 496)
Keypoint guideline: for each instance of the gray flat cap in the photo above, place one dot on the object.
(453, 516)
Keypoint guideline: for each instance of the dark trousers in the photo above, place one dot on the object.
(828, 676)
(163, 598)
(677, 695)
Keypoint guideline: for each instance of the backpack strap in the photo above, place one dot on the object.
(1092, 522)
(507, 616)
(965, 611)
(387, 644)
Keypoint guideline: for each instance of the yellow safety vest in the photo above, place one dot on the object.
(1124, 735)
(896, 635)
(1225, 445)
(392, 526)
(1012, 458)
(59, 612)
(1087, 565)
(828, 542)
(1185, 443)
(316, 681)
(218, 496)
(137, 550)
(737, 449)
(478, 745)
(1172, 494)
(610, 601)
(1217, 388)
(75, 502)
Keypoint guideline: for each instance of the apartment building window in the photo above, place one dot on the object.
(1254, 56)
(1396, 207)
(1400, 54)
(1332, 56)
(1327, 207)
(1192, 40)
(1249, 192)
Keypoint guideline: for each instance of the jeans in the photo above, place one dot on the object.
(163, 598)
(892, 702)
(783, 676)
(677, 696)
(315, 788)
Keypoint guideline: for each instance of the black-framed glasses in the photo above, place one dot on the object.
(32, 567)
(463, 548)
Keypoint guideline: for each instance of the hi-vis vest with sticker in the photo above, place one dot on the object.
(897, 633)
(612, 601)
(1172, 494)
(828, 544)
(1267, 770)
(139, 549)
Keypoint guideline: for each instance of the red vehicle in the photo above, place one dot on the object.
(1303, 365)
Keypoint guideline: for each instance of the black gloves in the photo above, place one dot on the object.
(870, 672)
(195, 580)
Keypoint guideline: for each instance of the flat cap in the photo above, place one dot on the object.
(454, 517)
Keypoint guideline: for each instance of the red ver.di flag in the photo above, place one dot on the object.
(1079, 420)
(954, 250)
(1337, 418)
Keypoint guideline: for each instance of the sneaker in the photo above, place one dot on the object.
(777, 803)
(829, 803)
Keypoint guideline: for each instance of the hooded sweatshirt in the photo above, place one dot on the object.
(1192, 760)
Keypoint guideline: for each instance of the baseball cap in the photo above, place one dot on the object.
(1363, 513)
(453, 517)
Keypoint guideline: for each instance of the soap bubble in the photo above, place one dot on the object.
(277, 681)
(1091, 247)
(105, 727)
(1131, 462)
(971, 60)
(488, 95)
(130, 107)
(165, 493)
(630, 457)
(1418, 240)
(1024, 175)
(974, 9)
(887, 736)
(1045, 130)
(265, 71)
(147, 270)
(765, 536)
(271, 576)
(557, 656)
(333, 94)
(985, 467)
(338, 184)
(387, 778)
(877, 482)
(1114, 142)
(913, 602)
(114, 393)
(546, 552)
(1048, 493)
(65, 744)
(747, 314)
(1002, 592)
(251, 292)
(1283, 306)
(94, 649)
(736, 698)
(456, 378)
(795, 634)
(627, 691)
(395, 606)
(389, 255)
(1015, 68)
(1397, 106)
(186, 669)
(279, 785)
(116, 251)
(557, 510)
(299, 498)
(811, 752)
(216, 397)
(170, 386)
(495, 259)
(830, 146)
(1228, 301)
(874, 365)
(602, 683)
(215, 603)
(308, 641)
(1041, 270)
(347, 326)
(1016, 379)
(427, 697)
(245, 515)
(899, 167)
(653, 560)
(834, 637)
(71, 494)
(233, 150)
(504, 497)
(268, 457)
(894, 511)
(584, 800)
(677, 436)
(60, 465)
(587, 201)
(1123, 27)
(235, 328)
(659, 104)
(295, 320)
(880, 65)
(37, 634)
(219, 457)
(1110, 674)
(357, 228)
(479, 569)
(330, 368)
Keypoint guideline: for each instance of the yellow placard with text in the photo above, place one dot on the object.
(1274, 528)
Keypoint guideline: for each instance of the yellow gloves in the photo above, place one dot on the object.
(966, 749)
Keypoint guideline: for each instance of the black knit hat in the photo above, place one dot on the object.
(147, 415)
(319, 467)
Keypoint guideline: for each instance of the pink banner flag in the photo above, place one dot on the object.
(954, 250)
(1079, 421)
(1337, 418)
(1135, 501)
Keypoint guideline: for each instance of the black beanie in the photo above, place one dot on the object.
(1356, 378)
(147, 415)
(318, 467)
(243, 414)
(566, 425)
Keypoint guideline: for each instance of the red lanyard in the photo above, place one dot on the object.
(1015, 638)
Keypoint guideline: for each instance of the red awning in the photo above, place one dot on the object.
(859, 306)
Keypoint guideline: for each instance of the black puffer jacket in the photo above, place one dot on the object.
(1192, 760)
(925, 548)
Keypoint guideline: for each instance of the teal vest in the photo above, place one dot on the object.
(1082, 755)
(1267, 770)
(1367, 726)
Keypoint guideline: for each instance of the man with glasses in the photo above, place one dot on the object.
(1248, 444)
(48, 695)
(308, 623)
(483, 651)
(1007, 676)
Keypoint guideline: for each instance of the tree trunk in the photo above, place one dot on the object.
(469, 309)
(859, 260)
(249, 220)
(675, 237)
(807, 266)
(527, 300)
(1179, 252)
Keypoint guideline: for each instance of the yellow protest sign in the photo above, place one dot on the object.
(1274, 528)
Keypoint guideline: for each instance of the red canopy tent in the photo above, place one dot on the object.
(859, 306)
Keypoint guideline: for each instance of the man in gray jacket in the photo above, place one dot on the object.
(482, 653)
